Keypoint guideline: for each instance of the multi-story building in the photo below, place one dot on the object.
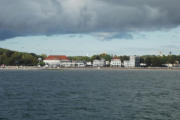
(134, 61)
(115, 62)
(99, 63)
(80, 64)
(126, 63)
(57, 61)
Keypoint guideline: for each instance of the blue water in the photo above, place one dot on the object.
(90, 95)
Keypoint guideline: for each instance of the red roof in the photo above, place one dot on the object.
(115, 57)
(56, 57)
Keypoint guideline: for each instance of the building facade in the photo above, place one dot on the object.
(134, 61)
(115, 62)
(80, 64)
(89, 64)
(56, 61)
(99, 63)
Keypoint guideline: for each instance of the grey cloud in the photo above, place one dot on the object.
(48, 17)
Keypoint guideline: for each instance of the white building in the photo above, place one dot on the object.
(134, 61)
(107, 63)
(115, 62)
(80, 64)
(126, 63)
(57, 61)
(65, 63)
(73, 63)
(52, 62)
(89, 64)
(99, 63)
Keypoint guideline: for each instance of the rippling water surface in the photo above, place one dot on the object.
(90, 95)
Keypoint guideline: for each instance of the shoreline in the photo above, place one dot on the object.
(88, 68)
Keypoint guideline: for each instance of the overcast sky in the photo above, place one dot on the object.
(86, 27)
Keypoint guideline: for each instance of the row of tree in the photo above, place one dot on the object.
(107, 57)
(159, 61)
(9, 57)
(149, 60)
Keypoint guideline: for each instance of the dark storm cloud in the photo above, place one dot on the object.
(48, 17)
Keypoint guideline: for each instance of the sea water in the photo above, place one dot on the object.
(90, 95)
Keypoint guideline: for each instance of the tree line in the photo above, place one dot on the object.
(149, 60)
(104, 56)
(9, 57)
(159, 61)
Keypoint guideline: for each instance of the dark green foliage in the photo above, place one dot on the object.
(106, 57)
(102, 56)
(159, 61)
(43, 56)
(79, 58)
(9, 57)
(123, 58)
(41, 63)
(95, 57)
(86, 58)
(149, 60)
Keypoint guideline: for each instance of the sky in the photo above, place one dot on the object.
(87, 27)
